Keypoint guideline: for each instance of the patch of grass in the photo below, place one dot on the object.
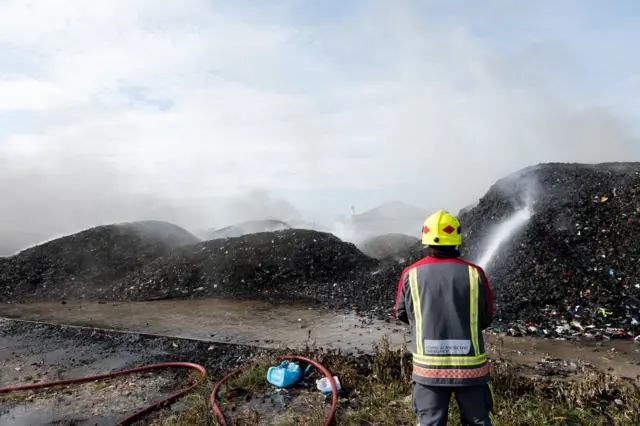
(246, 381)
(285, 420)
(377, 392)
(196, 411)
(383, 397)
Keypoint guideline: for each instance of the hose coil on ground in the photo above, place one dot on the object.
(163, 403)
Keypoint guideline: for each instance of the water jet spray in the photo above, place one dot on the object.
(504, 231)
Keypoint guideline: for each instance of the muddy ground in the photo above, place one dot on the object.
(269, 326)
(36, 353)
(220, 335)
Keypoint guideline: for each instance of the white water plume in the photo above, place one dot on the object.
(503, 232)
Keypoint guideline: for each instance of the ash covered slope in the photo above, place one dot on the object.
(72, 266)
(579, 252)
(282, 265)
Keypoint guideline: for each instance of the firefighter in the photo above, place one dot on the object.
(447, 302)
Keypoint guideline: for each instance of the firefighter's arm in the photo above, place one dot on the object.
(401, 311)
(486, 301)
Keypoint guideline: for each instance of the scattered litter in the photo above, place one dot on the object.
(574, 262)
(285, 374)
(325, 386)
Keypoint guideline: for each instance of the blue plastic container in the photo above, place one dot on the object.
(284, 375)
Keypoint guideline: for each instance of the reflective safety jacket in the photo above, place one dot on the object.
(447, 303)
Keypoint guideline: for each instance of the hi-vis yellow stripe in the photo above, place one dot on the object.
(415, 296)
(470, 360)
(474, 291)
(445, 360)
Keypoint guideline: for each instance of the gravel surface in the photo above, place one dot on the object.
(79, 351)
(38, 353)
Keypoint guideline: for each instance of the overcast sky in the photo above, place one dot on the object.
(127, 109)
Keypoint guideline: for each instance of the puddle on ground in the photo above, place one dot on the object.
(23, 360)
(24, 415)
(241, 322)
(258, 323)
(83, 404)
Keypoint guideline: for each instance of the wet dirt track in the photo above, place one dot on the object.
(32, 353)
(29, 359)
(239, 322)
(264, 325)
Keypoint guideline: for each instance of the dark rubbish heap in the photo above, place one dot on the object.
(574, 269)
(287, 265)
(78, 265)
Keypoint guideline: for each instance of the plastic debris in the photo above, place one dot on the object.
(284, 375)
(324, 385)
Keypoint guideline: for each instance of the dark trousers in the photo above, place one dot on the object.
(431, 404)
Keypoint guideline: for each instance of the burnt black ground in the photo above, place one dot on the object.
(84, 346)
(39, 353)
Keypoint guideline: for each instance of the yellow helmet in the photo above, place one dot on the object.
(441, 229)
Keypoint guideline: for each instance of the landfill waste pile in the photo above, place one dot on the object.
(389, 246)
(281, 266)
(574, 268)
(76, 265)
(249, 227)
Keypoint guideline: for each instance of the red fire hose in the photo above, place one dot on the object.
(138, 415)
(334, 391)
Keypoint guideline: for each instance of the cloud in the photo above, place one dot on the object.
(142, 108)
